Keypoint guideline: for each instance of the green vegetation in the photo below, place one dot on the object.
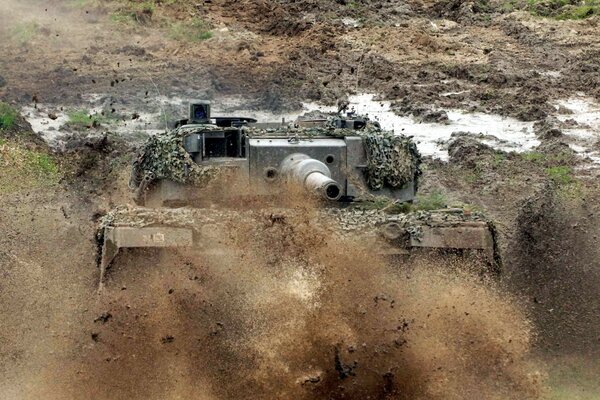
(583, 11)
(8, 116)
(23, 32)
(195, 30)
(429, 202)
(499, 159)
(433, 201)
(140, 13)
(477, 173)
(560, 9)
(85, 119)
(549, 160)
(24, 169)
(534, 156)
(385, 204)
(562, 175)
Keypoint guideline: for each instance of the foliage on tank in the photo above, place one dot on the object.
(164, 157)
(393, 161)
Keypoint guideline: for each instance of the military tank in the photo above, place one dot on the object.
(338, 158)
(341, 160)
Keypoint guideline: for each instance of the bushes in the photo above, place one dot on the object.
(8, 116)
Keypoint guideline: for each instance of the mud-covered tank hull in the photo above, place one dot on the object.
(399, 234)
(207, 165)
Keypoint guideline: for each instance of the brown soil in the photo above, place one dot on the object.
(280, 53)
(283, 309)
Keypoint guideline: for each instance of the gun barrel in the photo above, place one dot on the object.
(312, 174)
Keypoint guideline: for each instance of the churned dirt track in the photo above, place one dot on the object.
(421, 54)
(285, 309)
(334, 322)
(282, 310)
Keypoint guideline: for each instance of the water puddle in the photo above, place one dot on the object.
(581, 115)
(502, 133)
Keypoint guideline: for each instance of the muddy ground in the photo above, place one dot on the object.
(180, 326)
(277, 54)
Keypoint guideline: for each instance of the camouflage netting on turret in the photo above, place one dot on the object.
(392, 161)
(164, 157)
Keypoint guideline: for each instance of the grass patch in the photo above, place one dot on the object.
(499, 159)
(195, 30)
(433, 201)
(23, 32)
(429, 202)
(561, 175)
(549, 160)
(8, 116)
(563, 9)
(85, 119)
(581, 12)
(534, 156)
(140, 13)
(24, 169)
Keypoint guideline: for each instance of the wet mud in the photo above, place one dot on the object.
(285, 309)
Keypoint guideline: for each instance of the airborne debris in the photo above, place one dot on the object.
(167, 339)
(104, 317)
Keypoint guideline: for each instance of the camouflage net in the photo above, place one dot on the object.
(164, 157)
(392, 161)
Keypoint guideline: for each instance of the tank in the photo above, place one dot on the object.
(341, 160)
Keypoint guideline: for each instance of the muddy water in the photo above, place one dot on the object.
(584, 135)
(502, 133)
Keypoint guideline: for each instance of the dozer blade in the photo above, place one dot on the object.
(118, 237)
(398, 234)
(466, 235)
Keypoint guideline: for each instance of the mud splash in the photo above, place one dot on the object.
(287, 309)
